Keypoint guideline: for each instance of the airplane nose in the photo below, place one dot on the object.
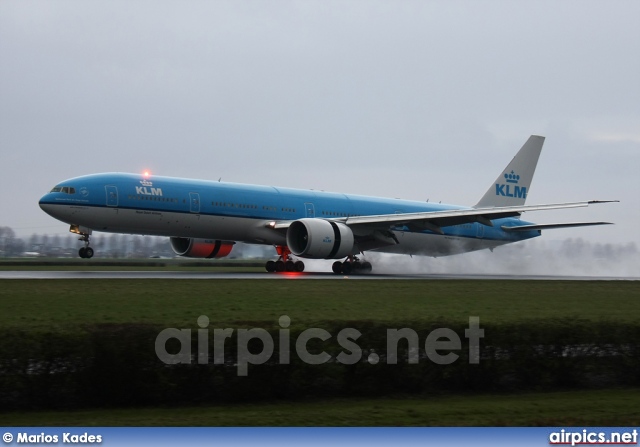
(45, 204)
(42, 201)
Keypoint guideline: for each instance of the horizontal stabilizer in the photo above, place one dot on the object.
(552, 226)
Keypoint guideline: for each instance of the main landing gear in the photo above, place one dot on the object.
(351, 265)
(85, 252)
(285, 262)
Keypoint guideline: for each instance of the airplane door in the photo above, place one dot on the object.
(194, 200)
(112, 195)
(311, 212)
(480, 233)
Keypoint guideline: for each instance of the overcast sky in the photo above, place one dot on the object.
(412, 99)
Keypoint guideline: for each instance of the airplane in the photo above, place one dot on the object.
(204, 219)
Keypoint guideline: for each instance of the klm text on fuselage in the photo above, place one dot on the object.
(145, 191)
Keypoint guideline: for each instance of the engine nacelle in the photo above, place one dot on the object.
(200, 248)
(319, 239)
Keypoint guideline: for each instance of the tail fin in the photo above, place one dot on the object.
(512, 186)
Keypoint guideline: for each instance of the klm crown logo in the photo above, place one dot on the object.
(510, 189)
(512, 177)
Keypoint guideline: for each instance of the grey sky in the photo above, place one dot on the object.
(399, 98)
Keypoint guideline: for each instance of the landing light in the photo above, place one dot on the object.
(146, 173)
(291, 274)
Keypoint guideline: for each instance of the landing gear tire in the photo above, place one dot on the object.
(289, 266)
(351, 267)
(85, 252)
(279, 266)
(299, 266)
(270, 266)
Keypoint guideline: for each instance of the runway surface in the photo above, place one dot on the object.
(129, 274)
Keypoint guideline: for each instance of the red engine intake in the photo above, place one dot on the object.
(200, 248)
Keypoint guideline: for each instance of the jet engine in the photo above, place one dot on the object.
(200, 248)
(320, 239)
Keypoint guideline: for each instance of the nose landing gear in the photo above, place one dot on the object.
(285, 262)
(85, 252)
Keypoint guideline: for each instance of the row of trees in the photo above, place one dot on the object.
(105, 246)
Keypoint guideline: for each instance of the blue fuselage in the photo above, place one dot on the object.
(166, 206)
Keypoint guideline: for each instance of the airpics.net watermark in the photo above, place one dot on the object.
(440, 339)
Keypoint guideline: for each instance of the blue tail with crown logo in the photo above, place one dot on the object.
(513, 184)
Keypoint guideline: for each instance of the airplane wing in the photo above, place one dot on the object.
(435, 220)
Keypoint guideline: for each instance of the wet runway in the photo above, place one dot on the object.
(130, 274)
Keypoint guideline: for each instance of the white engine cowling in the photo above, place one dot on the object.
(200, 248)
(320, 239)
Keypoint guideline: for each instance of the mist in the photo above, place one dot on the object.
(570, 257)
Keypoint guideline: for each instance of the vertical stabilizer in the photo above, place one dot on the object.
(513, 184)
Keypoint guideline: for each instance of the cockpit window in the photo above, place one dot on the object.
(64, 189)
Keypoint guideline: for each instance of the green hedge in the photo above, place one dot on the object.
(117, 366)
